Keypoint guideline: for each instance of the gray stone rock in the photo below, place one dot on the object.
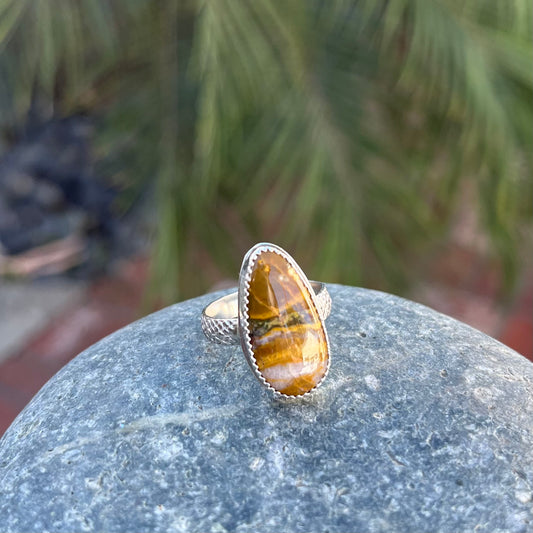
(423, 424)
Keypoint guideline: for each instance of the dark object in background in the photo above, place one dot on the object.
(49, 191)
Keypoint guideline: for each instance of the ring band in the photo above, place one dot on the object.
(279, 318)
(220, 320)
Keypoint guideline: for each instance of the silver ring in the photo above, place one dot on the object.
(278, 317)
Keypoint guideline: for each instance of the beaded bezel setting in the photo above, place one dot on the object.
(245, 278)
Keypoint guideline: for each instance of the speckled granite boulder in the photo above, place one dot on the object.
(423, 424)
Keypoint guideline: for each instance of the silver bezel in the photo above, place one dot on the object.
(244, 289)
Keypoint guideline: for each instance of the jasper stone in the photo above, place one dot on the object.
(285, 330)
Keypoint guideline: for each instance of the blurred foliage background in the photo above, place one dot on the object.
(344, 131)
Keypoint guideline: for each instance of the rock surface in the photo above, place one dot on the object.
(423, 424)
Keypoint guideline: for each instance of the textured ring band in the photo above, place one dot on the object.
(220, 321)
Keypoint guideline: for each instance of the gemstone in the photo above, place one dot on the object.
(288, 339)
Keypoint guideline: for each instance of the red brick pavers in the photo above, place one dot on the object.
(517, 329)
(109, 304)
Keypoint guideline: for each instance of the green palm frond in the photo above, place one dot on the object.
(343, 130)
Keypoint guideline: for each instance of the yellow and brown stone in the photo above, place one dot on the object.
(288, 339)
